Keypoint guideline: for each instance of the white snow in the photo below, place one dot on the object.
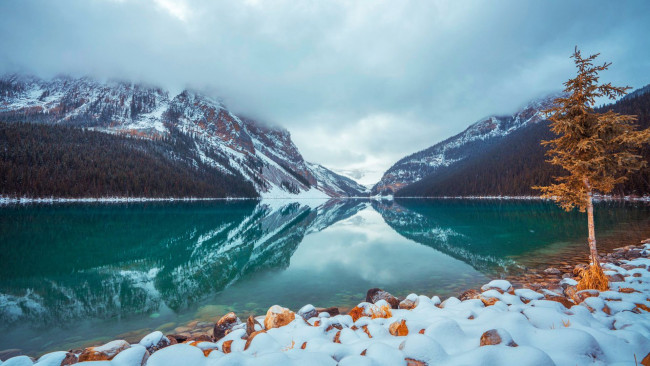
(611, 328)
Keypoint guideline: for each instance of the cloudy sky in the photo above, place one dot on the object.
(358, 84)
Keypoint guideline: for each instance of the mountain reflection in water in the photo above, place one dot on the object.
(77, 272)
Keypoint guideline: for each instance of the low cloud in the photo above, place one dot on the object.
(359, 84)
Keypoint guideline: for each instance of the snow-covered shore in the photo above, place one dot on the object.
(533, 198)
(496, 325)
(4, 200)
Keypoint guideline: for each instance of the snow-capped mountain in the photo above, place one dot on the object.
(460, 147)
(263, 155)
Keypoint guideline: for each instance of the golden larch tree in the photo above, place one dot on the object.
(598, 150)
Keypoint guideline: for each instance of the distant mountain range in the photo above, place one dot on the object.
(189, 131)
(77, 137)
(500, 156)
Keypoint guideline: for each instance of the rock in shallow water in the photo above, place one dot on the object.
(225, 324)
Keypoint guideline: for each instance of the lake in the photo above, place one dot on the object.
(74, 274)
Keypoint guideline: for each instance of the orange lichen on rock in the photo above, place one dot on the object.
(104, 352)
(365, 330)
(383, 312)
(355, 313)
(492, 338)
(226, 346)
(488, 301)
(399, 329)
(561, 299)
(643, 307)
(337, 337)
(414, 362)
(278, 316)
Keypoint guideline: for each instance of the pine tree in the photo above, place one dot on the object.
(598, 150)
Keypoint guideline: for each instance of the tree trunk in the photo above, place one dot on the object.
(590, 223)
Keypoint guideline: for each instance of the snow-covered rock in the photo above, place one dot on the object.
(607, 328)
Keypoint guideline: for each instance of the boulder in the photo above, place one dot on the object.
(410, 302)
(380, 310)
(572, 293)
(178, 338)
(155, 341)
(399, 328)
(414, 362)
(201, 338)
(10, 353)
(70, 359)
(308, 311)
(469, 295)
(225, 325)
(561, 299)
(552, 271)
(277, 317)
(252, 326)
(137, 355)
(376, 294)
(333, 311)
(617, 277)
(226, 346)
(584, 294)
(499, 285)
(104, 352)
(497, 336)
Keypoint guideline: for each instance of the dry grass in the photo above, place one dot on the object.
(593, 278)
(566, 323)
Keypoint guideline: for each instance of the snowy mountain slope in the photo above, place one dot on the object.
(263, 155)
(470, 142)
(638, 92)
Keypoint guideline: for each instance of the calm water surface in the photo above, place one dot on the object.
(76, 274)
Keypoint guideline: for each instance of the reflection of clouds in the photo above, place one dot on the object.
(373, 252)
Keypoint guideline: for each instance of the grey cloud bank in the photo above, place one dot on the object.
(358, 84)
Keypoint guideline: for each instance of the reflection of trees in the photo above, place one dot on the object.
(486, 234)
(113, 261)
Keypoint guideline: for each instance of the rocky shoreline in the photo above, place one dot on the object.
(385, 328)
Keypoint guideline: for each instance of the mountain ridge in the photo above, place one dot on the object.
(470, 142)
(264, 156)
(512, 164)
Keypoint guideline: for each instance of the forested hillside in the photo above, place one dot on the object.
(38, 160)
(514, 164)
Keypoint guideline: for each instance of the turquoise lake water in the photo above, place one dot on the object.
(75, 274)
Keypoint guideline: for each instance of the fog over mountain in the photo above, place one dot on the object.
(357, 84)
